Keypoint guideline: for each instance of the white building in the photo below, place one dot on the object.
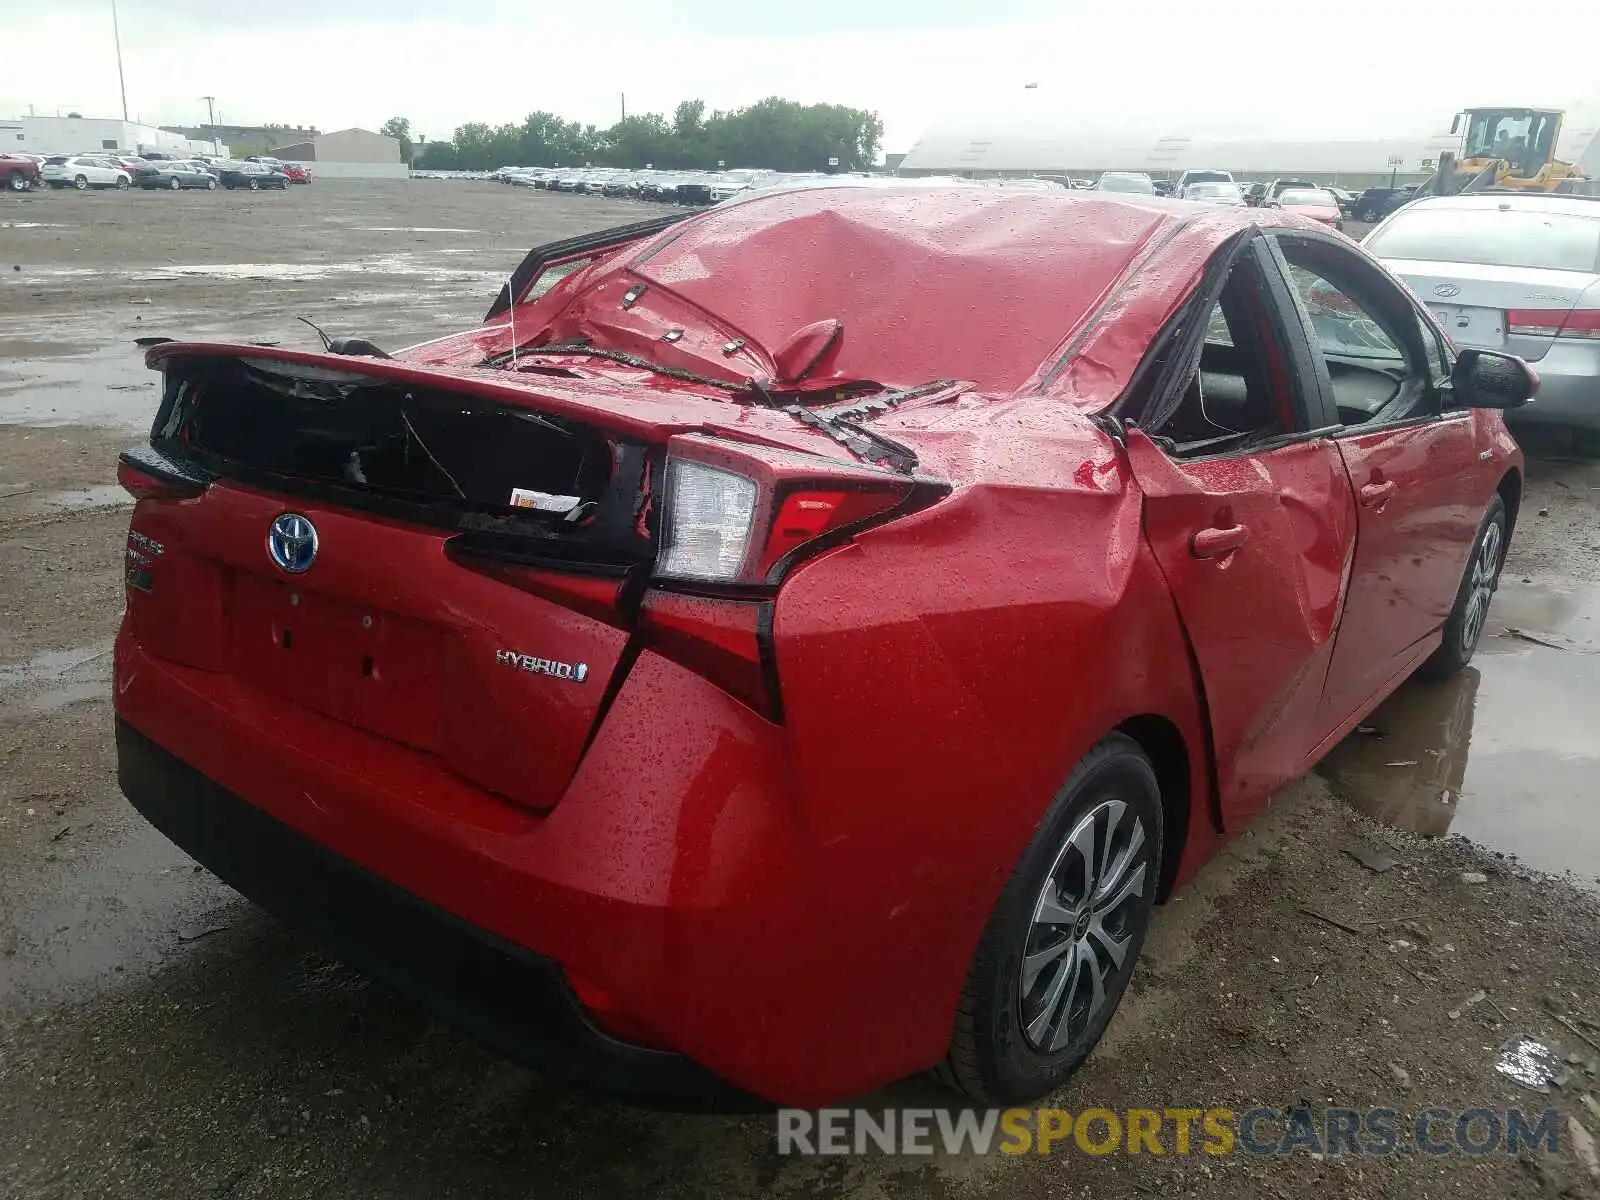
(349, 154)
(82, 135)
(1028, 145)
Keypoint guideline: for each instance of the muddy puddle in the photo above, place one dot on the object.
(63, 384)
(109, 897)
(52, 680)
(1507, 753)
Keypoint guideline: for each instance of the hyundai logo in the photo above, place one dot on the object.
(292, 543)
(1446, 290)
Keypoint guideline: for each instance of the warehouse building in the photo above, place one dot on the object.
(1034, 147)
(81, 135)
(245, 139)
(349, 154)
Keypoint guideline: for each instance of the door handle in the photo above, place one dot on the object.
(1214, 542)
(1373, 495)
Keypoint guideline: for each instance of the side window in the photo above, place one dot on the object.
(1237, 388)
(1342, 326)
(554, 274)
(1364, 331)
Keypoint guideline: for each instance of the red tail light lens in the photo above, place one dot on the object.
(726, 641)
(1554, 322)
(1582, 323)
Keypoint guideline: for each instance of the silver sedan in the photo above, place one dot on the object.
(1519, 273)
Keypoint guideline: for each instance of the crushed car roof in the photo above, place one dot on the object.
(960, 282)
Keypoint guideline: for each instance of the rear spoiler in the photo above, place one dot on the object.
(539, 257)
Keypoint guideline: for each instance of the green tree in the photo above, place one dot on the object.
(774, 133)
(399, 128)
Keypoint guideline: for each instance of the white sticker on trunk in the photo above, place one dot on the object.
(543, 501)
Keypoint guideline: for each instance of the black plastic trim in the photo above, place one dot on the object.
(529, 268)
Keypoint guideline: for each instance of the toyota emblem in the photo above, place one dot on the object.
(292, 543)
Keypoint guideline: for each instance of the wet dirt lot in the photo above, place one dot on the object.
(159, 1037)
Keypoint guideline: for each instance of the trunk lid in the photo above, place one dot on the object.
(1471, 300)
(443, 559)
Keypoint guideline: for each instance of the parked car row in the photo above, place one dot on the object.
(1218, 188)
(671, 187)
(1327, 204)
(120, 172)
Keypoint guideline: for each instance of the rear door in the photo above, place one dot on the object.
(1254, 539)
(1420, 487)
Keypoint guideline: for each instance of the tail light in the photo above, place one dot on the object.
(734, 522)
(1583, 323)
(146, 476)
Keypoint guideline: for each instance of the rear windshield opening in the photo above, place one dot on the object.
(275, 422)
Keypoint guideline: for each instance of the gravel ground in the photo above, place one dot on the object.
(160, 1037)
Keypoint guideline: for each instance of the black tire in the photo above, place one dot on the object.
(122, 183)
(176, 183)
(1463, 629)
(81, 183)
(211, 185)
(995, 1054)
(19, 182)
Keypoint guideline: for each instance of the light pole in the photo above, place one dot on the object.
(116, 35)
(1395, 163)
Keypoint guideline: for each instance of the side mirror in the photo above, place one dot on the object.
(1455, 123)
(1489, 379)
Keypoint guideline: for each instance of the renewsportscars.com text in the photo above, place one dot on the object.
(1262, 1132)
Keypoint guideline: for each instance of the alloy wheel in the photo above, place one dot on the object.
(1485, 577)
(1083, 925)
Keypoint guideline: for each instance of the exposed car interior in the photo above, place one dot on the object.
(1237, 390)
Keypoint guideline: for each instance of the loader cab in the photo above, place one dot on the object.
(1524, 138)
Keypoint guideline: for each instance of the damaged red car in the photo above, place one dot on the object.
(794, 645)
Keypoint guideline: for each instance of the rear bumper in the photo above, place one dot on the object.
(504, 995)
(686, 891)
(1569, 387)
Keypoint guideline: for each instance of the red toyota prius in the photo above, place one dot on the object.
(793, 645)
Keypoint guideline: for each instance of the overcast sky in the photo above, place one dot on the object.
(1270, 67)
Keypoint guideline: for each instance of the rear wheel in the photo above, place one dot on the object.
(175, 184)
(1463, 629)
(1063, 938)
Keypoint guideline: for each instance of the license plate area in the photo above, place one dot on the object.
(1469, 326)
(355, 663)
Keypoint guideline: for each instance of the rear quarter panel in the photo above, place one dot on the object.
(941, 678)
